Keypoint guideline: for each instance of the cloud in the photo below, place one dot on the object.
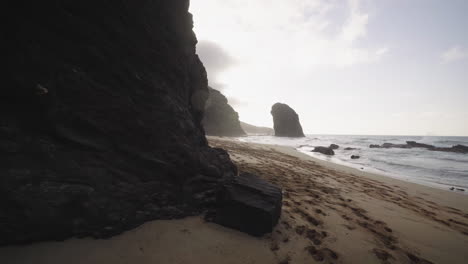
(235, 102)
(455, 53)
(215, 59)
(299, 33)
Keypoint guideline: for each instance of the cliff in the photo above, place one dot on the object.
(220, 118)
(286, 121)
(100, 119)
(251, 129)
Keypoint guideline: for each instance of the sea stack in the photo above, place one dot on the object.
(286, 121)
(220, 118)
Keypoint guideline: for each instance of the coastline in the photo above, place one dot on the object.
(331, 214)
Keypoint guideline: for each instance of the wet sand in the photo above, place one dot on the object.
(331, 214)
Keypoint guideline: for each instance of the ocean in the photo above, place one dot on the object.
(432, 168)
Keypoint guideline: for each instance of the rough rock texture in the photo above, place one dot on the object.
(324, 150)
(100, 119)
(220, 118)
(286, 121)
(251, 129)
(249, 204)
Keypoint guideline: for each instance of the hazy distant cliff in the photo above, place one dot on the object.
(251, 129)
(100, 118)
(220, 118)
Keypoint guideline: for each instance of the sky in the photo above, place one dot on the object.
(361, 67)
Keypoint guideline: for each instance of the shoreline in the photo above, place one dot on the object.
(396, 174)
(331, 214)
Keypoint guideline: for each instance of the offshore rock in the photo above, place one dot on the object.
(286, 121)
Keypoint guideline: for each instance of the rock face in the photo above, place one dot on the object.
(249, 204)
(324, 150)
(286, 121)
(100, 119)
(251, 129)
(220, 118)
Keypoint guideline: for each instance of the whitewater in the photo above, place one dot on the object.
(444, 170)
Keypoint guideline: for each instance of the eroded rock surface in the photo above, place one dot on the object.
(286, 121)
(100, 119)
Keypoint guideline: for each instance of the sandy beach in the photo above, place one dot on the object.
(331, 214)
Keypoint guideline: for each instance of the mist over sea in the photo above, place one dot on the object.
(433, 168)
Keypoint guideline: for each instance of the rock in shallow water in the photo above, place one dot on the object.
(249, 204)
(324, 150)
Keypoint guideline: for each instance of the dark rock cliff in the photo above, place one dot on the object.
(286, 121)
(220, 118)
(100, 119)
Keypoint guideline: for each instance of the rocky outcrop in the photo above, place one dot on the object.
(324, 150)
(286, 121)
(334, 146)
(412, 144)
(100, 119)
(255, 130)
(249, 204)
(220, 118)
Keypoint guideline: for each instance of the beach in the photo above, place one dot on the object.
(331, 214)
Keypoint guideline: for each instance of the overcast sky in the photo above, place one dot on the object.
(378, 67)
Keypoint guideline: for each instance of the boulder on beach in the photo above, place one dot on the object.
(324, 150)
(249, 204)
(286, 121)
(334, 146)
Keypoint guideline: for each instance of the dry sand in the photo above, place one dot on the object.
(331, 214)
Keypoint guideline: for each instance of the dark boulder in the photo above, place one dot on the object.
(324, 150)
(375, 146)
(334, 146)
(220, 118)
(350, 149)
(249, 204)
(355, 157)
(286, 121)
